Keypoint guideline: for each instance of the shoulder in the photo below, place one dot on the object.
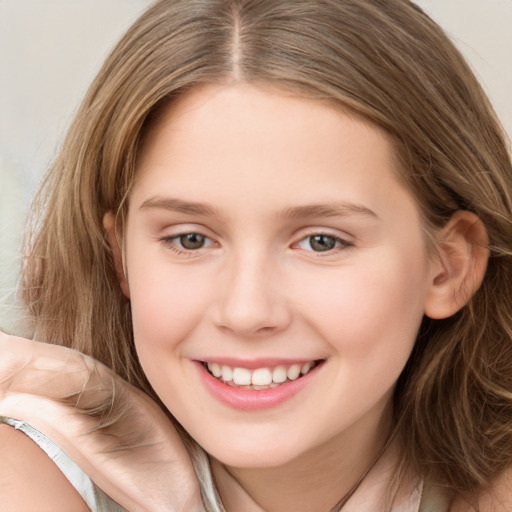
(496, 499)
(29, 479)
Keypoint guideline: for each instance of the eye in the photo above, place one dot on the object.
(191, 241)
(187, 242)
(322, 243)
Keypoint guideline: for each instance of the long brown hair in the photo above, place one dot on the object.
(382, 59)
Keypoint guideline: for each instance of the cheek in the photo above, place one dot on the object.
(166, 301)
(166, 307)
(370, 321)
(373, 309)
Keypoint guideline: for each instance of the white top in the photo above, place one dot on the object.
(93, 496)
(422, 499)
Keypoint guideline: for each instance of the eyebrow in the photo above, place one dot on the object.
(337, 209)
(178, 205)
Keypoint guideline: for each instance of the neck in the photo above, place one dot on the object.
(315, 481)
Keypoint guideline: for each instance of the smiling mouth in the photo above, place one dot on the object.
(260, 378)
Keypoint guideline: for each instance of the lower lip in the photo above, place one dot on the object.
(251, 399)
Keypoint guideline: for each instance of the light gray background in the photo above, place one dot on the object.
(51, 49)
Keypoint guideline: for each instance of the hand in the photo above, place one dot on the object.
(113, 431)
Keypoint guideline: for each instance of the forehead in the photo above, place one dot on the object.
(252, 141)
(208, 104)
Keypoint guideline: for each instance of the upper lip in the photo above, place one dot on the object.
(253, 364)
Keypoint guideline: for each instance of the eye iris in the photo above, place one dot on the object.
(322, 243)
(192, 241)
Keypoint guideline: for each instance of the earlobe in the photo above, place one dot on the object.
(110, 234)
(459, 266)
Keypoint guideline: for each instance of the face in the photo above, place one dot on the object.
(277, 272)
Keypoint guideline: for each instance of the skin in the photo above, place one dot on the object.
(257, 289)
(29, 389)
(34, 379)
(29, 480)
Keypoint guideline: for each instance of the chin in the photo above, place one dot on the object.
(260, 455)
(247, 461)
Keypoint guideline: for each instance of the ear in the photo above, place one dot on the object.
(458, 268)
(109, 221)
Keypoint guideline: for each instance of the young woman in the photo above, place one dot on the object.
(288, 225)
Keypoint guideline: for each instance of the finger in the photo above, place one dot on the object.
(18, 354)
(52, 371)
(159, 476)
(94, 413)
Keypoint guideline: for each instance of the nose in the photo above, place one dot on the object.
(252, 298)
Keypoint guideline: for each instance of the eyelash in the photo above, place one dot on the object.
(340, 244)
(171, 243)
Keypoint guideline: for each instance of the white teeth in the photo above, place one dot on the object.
(215, 369)
(241, 376)
(261, 377)
(306, 367)
(227, 374)
(294, 371)
(279, 374)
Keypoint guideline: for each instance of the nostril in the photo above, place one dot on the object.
(261, 331)
(266, 330)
